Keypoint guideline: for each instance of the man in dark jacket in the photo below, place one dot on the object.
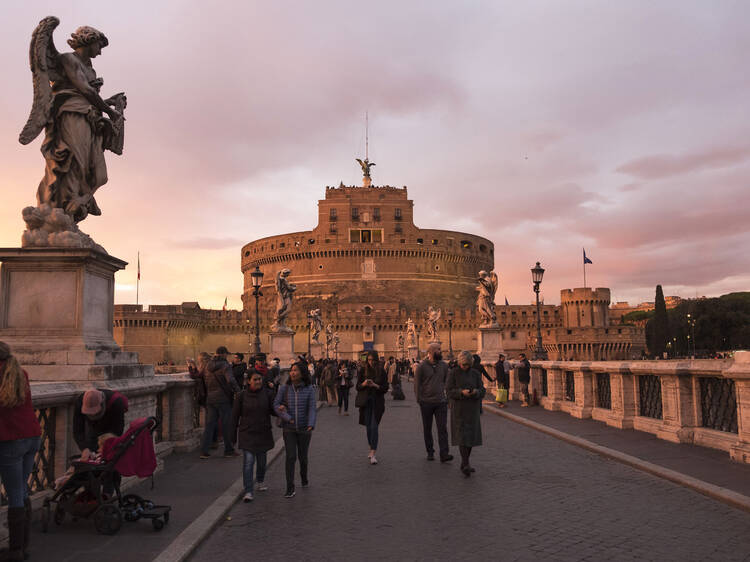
(239, 368)
(429, 387)
(97, 412)
(220, 390)
(523, 370)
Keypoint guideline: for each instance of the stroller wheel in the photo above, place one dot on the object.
(108, 519)
(158, 524)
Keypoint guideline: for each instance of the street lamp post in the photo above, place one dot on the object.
(256, 278)
(537, 272)
(450, 334)
(309, 327)
(691, 335)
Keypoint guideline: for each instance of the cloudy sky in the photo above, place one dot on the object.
(621, 127)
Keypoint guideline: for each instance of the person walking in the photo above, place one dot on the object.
(251, 427)
(465, 390)
(239, 368)
(502, 375)
(478, 367)
(220, 390)
(19, 442)
(344, 383)
(523, 370)
(372, 385)
(429, 388)
(295, 405)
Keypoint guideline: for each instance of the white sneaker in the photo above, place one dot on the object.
(261, 487)
(373, 460)
(247, 498)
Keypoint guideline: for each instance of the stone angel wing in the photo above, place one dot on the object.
(438, 314)
(43, 59)
(494, 283)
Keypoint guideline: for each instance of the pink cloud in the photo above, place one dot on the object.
(664, 165)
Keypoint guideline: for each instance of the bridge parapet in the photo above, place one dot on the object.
(702, 402)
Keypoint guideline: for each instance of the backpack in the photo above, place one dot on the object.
(115, 396)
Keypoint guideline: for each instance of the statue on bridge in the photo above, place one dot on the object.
(488, 283)
(411, 333)
(316, 324)
(68, 106)
(432, 317)
(284, 292)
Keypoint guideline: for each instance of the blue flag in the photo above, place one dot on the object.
(585, 259)
(506, 301)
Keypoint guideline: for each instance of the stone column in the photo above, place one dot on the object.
(489, 344)
(317, 350)
(678, 412)
(554, 389)
(740, 373)
(624, 409)
(282, 346)
(584, 403)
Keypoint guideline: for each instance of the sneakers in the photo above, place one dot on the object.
(446, 458)
(289, 493)
(231, 454)
(466, 469)
(430, 456)
(261, 487)
(373, 460)
(305, 483)
(205, 456)
(248, 497)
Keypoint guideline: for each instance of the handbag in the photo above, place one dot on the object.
(501, 395)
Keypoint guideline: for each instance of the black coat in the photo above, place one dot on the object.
(251, 420)
(466, 428)
(364, 393)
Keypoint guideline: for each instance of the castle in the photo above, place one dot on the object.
(369, 269)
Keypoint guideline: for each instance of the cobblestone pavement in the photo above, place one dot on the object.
(533, 497)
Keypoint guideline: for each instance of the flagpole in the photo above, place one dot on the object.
(138, 280)
(584, 274)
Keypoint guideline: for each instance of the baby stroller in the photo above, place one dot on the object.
(81, 494)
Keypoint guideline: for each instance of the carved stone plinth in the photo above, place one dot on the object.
(489, 344)
(282, 346)
(413, 352)
(56, 309)
(317, 350)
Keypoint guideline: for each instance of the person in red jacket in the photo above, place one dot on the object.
(19, 441)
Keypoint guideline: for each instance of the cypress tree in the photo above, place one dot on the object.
(660, 321)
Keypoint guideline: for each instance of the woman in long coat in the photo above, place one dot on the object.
(372, 385)
(465, 389)
(251, 426)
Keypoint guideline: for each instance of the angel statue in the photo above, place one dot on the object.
(329, 337)
(316, 324)
(432, 318)
(336, 342)
(284, 292)
(366, 165)
(487, 287)
(411, 332)
(79, 125)
(400, 341)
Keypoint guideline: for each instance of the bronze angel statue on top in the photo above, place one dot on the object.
(365, 165)
(79, 125)
(487, 288)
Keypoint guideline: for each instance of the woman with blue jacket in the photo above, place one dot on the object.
(295, 405)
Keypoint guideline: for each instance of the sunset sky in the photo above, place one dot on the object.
(621, 127)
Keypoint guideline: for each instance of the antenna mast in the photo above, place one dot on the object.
(367, 135)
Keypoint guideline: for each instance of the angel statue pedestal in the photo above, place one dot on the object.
(56, 314)
(489, 343)
(282, 346)
(413, 352)
(317, 350)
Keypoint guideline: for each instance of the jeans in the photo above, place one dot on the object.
(248, 463)
(371, 424)
(213, 413)
(525, 391)
(16, 464)
(344, 397)
(440, 411)
(296, 444)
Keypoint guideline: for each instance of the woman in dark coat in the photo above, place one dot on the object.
(251, 427)
(372, 385)
(465, 389)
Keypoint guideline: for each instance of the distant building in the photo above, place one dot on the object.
(621, 308)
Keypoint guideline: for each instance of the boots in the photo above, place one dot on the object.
(27, 527)
(16, 517)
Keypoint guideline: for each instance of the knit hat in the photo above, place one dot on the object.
(93, 400)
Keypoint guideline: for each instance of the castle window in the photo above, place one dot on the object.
(420, 241)
(282, 244)
(434, 241)
(355, 214)
(332, 214)
(466, 244)
(332, 228)
(376, 214)
(450, 242)
(437, 268)
(247, 254)
(512, 335)
(311, 241)
(320, 266)
(398, 228)
(365, 236)
(619, 330)
(403, 240)
(482, 248)
(354, 235)
(397, 215)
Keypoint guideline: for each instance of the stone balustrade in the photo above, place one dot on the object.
(703, 402)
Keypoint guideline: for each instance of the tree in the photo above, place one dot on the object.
(660, 334)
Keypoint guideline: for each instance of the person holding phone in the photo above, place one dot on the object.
(372, 386)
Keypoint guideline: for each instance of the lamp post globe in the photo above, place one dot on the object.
(537, 273)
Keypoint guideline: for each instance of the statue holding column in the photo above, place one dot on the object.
(316, 324)
(432, 317)
(488, 283)
(284, 292)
